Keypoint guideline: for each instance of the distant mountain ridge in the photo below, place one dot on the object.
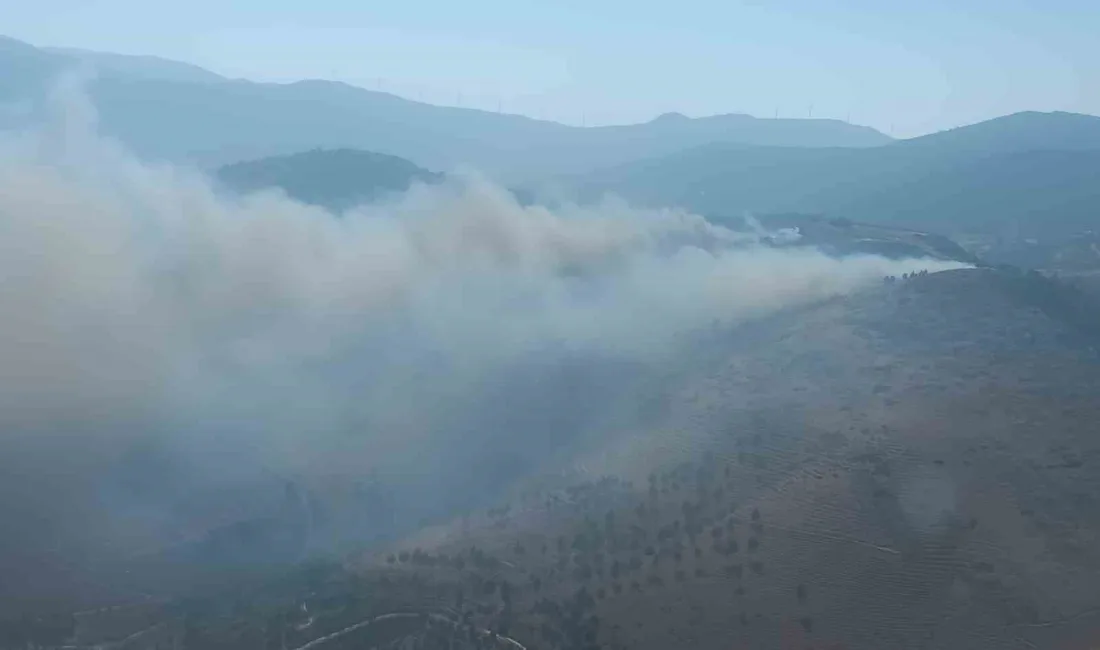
(1024, 131)
(140, 66)
(156, 108)
(1026, 174)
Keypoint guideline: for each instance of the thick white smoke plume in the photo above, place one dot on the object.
(147, 317)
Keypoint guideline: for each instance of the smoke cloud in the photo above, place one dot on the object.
(162, 342)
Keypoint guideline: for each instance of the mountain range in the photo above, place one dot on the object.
(1022, 175)
(167, 110)
(1019, 177)
(1018, 188)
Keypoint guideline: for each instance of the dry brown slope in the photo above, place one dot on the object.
(911, 467)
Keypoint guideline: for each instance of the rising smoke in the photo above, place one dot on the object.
(161, 340)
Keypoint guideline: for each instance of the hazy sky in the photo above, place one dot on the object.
(905, 67)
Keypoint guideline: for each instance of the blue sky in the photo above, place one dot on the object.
(902, 67)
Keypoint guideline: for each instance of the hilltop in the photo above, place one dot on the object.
(335, 179)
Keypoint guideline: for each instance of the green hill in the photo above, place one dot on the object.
(335, 179)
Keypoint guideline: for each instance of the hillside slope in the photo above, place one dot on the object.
(868, 473)
(911, 466)
(1025, 174)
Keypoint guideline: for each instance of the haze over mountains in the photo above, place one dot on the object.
(745, 393)
(1042, 164)
(171, 111)
(1021, 189)
(1027, 175)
